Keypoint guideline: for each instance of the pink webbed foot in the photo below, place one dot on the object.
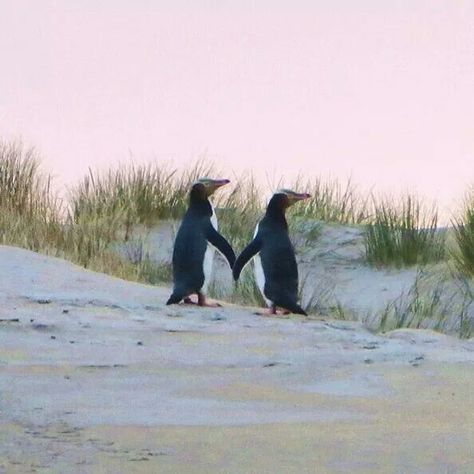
(204, 303)
(188, 300)
(273, 311)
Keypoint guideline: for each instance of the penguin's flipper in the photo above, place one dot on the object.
(250, 251)
(221, 244)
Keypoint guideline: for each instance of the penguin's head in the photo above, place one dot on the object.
(285, 198)
(205, 187)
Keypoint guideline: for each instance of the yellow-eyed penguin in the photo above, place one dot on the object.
(193, 252)
(276, 271)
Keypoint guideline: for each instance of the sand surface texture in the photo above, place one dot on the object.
(98, 375)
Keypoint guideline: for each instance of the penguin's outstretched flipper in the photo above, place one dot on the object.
(221, 244)
(247, 254)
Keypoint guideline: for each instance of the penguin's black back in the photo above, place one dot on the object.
(278, 258)
(189, 249)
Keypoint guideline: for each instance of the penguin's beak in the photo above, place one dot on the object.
(215, 184)
(302, 196)
(220, 182)
(295, 197)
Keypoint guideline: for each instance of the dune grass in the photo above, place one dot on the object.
(30, 214)
(147, 194)
(403, 233)
(331, 201)
(32, 217)
(102, 211)
(23, 189)
(463, 226)
(239, 208)
(135, 194)
(438, 305)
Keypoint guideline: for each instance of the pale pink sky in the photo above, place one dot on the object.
(382, 90)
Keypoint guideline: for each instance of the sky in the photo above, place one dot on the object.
(382, 91)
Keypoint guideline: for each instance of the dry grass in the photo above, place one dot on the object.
(135, 194)
(331, 201)
(442, 305)
(30, 213)
(103, 209)
(463, 226)
(403, 233)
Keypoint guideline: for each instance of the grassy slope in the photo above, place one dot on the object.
(103, 209)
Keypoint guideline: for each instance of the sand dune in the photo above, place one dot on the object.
(97, 375)
(335, 275)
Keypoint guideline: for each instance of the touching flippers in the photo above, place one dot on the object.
(247, 254)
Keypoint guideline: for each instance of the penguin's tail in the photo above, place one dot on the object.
(297, 309)
(292, 306)
(175, 298)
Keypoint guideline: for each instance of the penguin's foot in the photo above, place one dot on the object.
(273, 311)
(203, 302)
(188, 300)
(211, 305)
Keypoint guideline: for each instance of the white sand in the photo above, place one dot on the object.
(99, 376)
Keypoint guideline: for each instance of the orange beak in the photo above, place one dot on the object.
(295, 197)
(220, 182)
(302, 196)
(216, 184)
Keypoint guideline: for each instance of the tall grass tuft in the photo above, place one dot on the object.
(32, 217)
(331, 201)
(135, 194)
(436, 305)
(30, 214)
(404, 234)
(24, 190)
(464, 235)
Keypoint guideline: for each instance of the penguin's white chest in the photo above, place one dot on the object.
(258, 272)
(209, 256)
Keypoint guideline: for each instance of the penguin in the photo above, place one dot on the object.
(275, 268)
(197, 237)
